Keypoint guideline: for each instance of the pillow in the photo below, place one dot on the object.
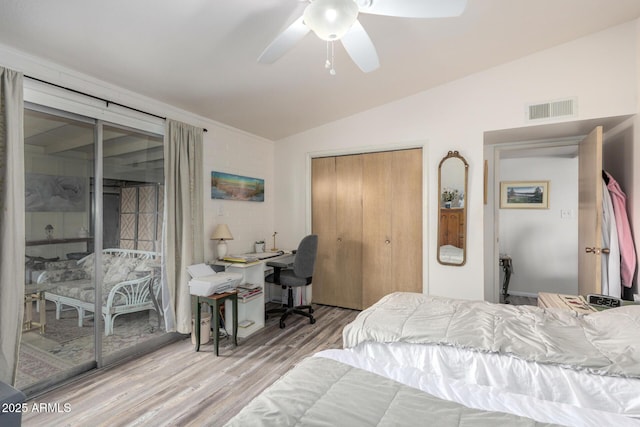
(119, 269)
(147, 265)
(88, 263)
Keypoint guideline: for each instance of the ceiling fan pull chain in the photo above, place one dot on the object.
(328, 64)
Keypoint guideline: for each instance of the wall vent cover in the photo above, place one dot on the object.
(552, 109)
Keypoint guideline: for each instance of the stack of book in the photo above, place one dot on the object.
(248, 291)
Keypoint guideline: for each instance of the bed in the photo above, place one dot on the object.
(537, 365)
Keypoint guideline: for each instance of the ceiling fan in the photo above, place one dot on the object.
(333, 20)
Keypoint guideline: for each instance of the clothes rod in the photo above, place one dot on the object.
(106, 101)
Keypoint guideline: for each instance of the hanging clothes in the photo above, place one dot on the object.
(611, 283)
(628, 258)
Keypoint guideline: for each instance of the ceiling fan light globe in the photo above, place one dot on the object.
(331, 19)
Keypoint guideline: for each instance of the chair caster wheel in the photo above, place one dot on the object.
(282, 325)
(311, 311)
(312, 321)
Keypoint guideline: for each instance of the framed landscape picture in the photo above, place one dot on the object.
(524, 195)
(227, 186)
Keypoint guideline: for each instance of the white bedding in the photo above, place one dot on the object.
(604, 343)
(454, 385)
(452, 254)
(506, 355)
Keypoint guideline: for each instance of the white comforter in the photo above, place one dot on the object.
(482, 395)
(604, 343)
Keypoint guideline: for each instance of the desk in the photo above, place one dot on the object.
(216, 300)
(253, 310)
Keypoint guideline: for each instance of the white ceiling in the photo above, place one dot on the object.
(200, 55)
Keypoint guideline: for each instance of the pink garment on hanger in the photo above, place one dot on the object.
(625, 239)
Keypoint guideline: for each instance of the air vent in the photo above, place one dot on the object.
(553, 109)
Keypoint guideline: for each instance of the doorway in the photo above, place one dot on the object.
(542, 244)
(520, 146)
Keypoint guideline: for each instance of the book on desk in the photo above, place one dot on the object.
(252, 257)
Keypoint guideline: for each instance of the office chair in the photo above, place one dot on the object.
(299, 275)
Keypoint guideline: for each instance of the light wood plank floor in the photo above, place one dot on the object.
(175, 386)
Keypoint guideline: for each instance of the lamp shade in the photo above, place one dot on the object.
(331, 19)
(222, 232)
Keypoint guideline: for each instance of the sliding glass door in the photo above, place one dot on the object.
(93, 215)
(133, 190)
(57, 339)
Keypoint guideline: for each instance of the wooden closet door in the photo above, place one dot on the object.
(392, 223)
(349, 231)
(407, 221)
(336, 187)
(323, 223)
(377, 239)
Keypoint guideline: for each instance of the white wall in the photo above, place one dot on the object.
(600, 70)
(542, 244)
(225, 149)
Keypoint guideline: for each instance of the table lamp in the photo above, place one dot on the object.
(222, 233)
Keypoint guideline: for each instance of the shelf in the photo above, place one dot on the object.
(58, 241)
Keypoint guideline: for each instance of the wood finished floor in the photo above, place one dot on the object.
(175, 386)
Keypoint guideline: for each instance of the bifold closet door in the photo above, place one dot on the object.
(337, 220)
(392, 223)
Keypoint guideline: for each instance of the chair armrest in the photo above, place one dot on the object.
(282, 263)
(128, 292)
(278, 266)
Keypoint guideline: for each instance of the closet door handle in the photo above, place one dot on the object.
(387, 241)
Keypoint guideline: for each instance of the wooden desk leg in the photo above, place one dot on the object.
(235, 319)
(216, 330)
(196, 322)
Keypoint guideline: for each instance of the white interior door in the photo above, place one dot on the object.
(590, 213)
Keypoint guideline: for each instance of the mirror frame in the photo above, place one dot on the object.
(453, 155)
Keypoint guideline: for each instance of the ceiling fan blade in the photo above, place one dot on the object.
(360, 48)
(413, 8)
(285, 41)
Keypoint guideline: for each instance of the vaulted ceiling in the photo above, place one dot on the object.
(200, 55)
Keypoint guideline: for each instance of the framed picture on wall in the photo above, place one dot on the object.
(227, 186)
(524, 195)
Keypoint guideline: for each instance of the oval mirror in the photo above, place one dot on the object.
(452, 209)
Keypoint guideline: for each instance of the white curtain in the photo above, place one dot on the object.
(183, 239)
(12, 234)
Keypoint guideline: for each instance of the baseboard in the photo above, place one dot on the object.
(523, 294)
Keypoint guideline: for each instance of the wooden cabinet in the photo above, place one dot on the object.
(451, 227)
(367, 213)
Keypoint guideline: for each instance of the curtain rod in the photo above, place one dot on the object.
(106, 101)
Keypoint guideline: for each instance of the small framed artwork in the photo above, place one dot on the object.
(227, 186)
(524, 195)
